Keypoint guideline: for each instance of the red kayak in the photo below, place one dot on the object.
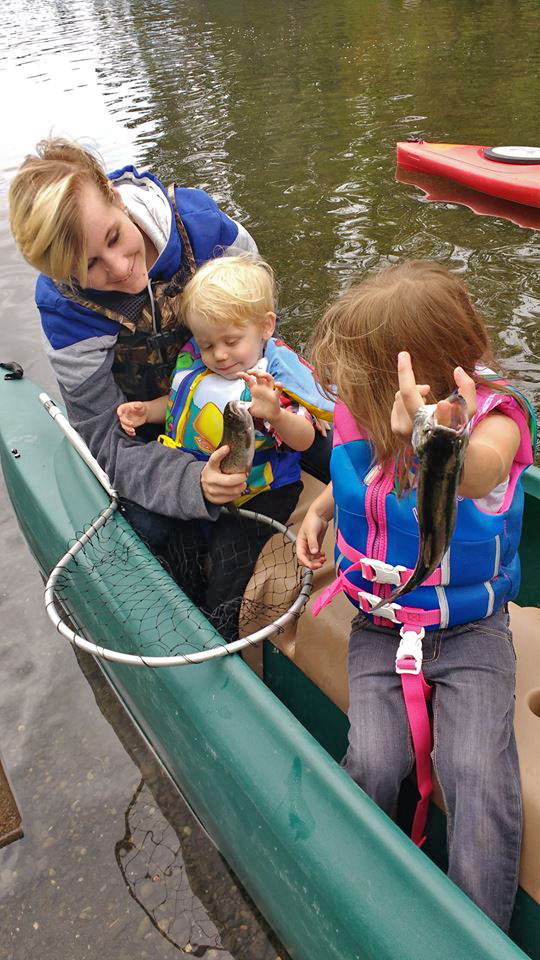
(512, 173)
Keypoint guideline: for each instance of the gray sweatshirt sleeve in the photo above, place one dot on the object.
(156, 477)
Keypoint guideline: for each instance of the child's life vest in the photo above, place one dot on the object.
(194, 419)
(377, 537)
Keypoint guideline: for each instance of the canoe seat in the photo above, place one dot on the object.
(318, 646)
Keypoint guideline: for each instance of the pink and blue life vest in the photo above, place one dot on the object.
(377, 533)
(194, 420)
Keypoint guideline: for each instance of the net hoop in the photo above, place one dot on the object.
(58, 617)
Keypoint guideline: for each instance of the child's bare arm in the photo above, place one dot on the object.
(296, 431)
(138, 412)
(314, 526)
(490, 454)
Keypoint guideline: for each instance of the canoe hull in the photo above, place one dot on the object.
(331, 873)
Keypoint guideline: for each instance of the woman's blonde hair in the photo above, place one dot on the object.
(230, 291)
(44, 207)
(418, 306)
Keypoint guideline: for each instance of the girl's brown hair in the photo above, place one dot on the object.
(44, 207)
(417, 306)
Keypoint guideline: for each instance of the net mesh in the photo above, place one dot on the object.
(236, 577)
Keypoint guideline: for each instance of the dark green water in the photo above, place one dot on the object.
(288, 114)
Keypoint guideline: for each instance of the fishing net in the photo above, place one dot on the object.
(217, 589)
(207, 588)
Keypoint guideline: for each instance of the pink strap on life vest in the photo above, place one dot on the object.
(434, 579)
(415, 616)
(416, 693)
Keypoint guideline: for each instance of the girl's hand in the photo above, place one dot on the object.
(322, 426)
(132, 415)
(467, 388)
(219, 487)
(309, 540)
(265, 394)
(410, 397)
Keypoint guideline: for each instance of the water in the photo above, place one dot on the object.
(288, 114)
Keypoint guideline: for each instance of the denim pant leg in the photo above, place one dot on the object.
(380, 753)
(476, 760)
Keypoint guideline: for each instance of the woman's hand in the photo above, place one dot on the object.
(132, 415)
(410, 397)
(265, 393)
(219, 487)
(310, 538)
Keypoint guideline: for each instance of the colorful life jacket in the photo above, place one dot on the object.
(147, 344)
(194, 420)
(377, 533)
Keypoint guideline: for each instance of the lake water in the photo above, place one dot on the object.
(288, 114)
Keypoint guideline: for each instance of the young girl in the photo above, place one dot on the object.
(415, 322)
(229, 306)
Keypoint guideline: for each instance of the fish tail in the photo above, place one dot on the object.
(414, 580)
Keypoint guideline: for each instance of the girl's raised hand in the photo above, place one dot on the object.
(467, 388)
(410, 397)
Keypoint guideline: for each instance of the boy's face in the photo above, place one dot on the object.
(230, 350)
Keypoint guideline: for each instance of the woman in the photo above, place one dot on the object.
(114, 253)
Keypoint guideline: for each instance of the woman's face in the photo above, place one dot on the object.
(115, 245)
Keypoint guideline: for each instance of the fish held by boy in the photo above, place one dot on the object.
(239, 436)
(441, 452)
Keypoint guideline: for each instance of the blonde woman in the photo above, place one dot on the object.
(114, 252)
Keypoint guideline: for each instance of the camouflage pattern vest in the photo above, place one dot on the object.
(146, 349)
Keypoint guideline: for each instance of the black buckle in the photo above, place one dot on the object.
(15, 368)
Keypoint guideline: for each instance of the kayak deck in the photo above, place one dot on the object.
(466, 164)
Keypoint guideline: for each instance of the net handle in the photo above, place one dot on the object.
(77, 441)
(58, 619)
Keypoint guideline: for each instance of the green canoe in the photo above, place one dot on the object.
(257, 758)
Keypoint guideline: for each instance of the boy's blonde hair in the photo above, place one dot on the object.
(44, 207)
(417, 306)
(230, 291)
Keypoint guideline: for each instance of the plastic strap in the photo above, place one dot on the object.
(416, 693)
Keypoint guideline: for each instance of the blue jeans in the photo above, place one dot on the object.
(472, 669)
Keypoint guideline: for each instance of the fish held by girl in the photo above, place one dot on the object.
(441, 452)
(239, 436)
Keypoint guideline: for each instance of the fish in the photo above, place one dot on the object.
(441, 452)
(239, 435)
